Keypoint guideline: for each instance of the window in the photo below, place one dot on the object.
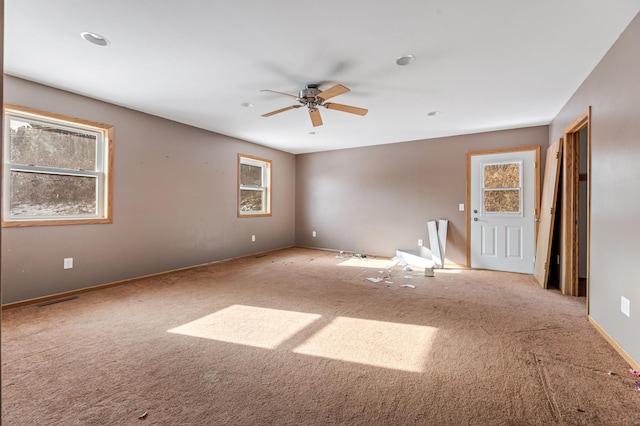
(254, 186)
(502, 188)
(57, 170)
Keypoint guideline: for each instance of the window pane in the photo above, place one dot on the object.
(251, 200)
(502, 201)
(502, 175)
(45, 146)
(40, 194)
(250, 175)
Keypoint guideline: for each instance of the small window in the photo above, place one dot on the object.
(254, 186)
(57, 169)
(502, 189)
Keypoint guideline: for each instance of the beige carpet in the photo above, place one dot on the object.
(295, 338)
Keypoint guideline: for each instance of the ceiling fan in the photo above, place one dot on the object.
(312, 97)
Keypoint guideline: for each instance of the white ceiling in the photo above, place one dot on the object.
(485, 64)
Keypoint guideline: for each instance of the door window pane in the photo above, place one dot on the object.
(502, 175)
(502, 188)
(502, 200)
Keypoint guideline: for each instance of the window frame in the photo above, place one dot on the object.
(103, 172)
(266, 187)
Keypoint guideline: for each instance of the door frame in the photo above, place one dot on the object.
(570, 204)
(537, 185)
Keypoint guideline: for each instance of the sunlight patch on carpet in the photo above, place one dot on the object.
(381, 344)
(248, 325)
(369, 263)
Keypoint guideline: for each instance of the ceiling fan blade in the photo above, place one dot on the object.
(278, 111)
(316, 120)
(346, 108)
(336, 90)
(279, 93)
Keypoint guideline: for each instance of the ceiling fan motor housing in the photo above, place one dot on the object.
(310, 91)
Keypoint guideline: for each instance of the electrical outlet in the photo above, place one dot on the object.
(68, 262)
(313, 234)
(253, 238)
(420, 243)
(625, 306)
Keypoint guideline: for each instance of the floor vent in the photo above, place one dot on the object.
(53, 302)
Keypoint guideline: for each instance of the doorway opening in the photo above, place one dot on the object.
(570, 247)
(503, 195)
(555, 267)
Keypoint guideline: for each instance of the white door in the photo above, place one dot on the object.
(502, 211)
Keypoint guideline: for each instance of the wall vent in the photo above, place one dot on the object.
(53, 302)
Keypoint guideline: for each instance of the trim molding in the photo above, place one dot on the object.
(632, 362)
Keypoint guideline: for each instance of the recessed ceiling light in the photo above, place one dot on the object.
(94, 38)
(405, 60)
(433, 113)
(247, 104)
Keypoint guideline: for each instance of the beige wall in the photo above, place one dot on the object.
(613, 91)
(377, 199)
(174, 204)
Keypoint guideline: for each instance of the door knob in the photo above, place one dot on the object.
(475, 211)
(475, 219)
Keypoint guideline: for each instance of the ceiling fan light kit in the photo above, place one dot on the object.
(312, 97)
